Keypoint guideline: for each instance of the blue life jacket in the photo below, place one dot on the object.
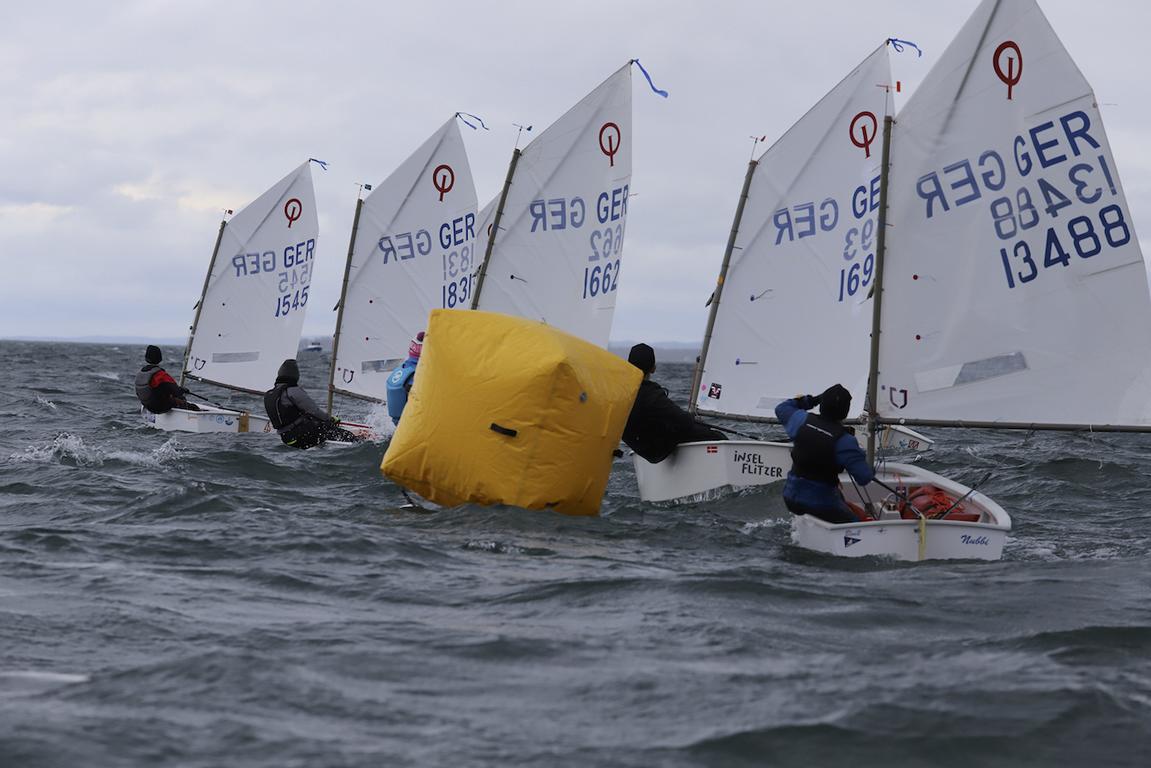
(399, 384)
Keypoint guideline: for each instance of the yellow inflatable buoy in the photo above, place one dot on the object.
(505, 410)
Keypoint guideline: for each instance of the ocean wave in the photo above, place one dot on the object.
(72, 450)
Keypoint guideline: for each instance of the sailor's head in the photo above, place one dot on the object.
(153, 355)
(835, 403)
(417, 346)
(643, 357)
(289, 372)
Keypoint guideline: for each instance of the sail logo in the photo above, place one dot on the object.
(443, 179)
(891, 396)
(859, 133)
(1011, 77)
(610, 139)
(293, 209)
(714, 391)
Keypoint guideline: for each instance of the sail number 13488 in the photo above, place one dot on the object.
(1083, 234)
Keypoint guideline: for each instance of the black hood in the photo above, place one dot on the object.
(643, 357)
(153, 355)
(835, 403)
(289, 372)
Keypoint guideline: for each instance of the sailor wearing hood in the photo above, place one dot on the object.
(156, 389)
(823, 448)
(299, 421)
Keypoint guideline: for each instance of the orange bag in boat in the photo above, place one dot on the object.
(931, 500)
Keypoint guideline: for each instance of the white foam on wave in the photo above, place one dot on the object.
(772, 522)
(66, 447)
(45, 402)
(109, 375)
(380, 422)
(33, 681)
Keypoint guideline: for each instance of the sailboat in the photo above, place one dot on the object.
(412, 250)
(804, 236)
(554, 245)
(1012, 253)
(251, 309)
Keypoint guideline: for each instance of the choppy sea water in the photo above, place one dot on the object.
(221, 600)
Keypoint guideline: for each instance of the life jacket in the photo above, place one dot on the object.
(813, 455)
(282, 411)
(399, 382)
(147, 391)
(931, 501)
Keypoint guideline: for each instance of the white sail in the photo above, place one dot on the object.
(414, 251)
(1014, 286)
(253, 309)
(794, 315)
(557, 254)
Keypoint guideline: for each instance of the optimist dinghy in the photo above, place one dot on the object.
(252, 306)
(992, 296)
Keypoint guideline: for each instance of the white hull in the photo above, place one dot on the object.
(223, 420)
(701, 470)
(897, 438)
(698, 470)
(915, 539)
(207, 420)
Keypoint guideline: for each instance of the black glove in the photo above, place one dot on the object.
(807, 402)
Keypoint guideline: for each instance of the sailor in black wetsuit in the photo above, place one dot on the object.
(157, 391)
(823, 448)
(300, 422)
(656, 425)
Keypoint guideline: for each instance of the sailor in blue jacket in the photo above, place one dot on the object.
(399, 384)
(823, 448)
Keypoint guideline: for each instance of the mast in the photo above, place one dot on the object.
(698, 374)
(877, 303)
(200, 303)
(495, 226)
(343, 296)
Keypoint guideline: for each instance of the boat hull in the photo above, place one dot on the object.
(703, 469)
(910, 540)
(207, 420)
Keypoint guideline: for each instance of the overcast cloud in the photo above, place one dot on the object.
(128, 126)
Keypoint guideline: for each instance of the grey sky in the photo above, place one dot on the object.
(129, 125)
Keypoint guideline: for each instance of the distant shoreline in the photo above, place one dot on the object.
(665, 351)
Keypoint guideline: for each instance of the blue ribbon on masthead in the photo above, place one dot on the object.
(898, 45)
(658, 91)
(320, 163)
(463, 116)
